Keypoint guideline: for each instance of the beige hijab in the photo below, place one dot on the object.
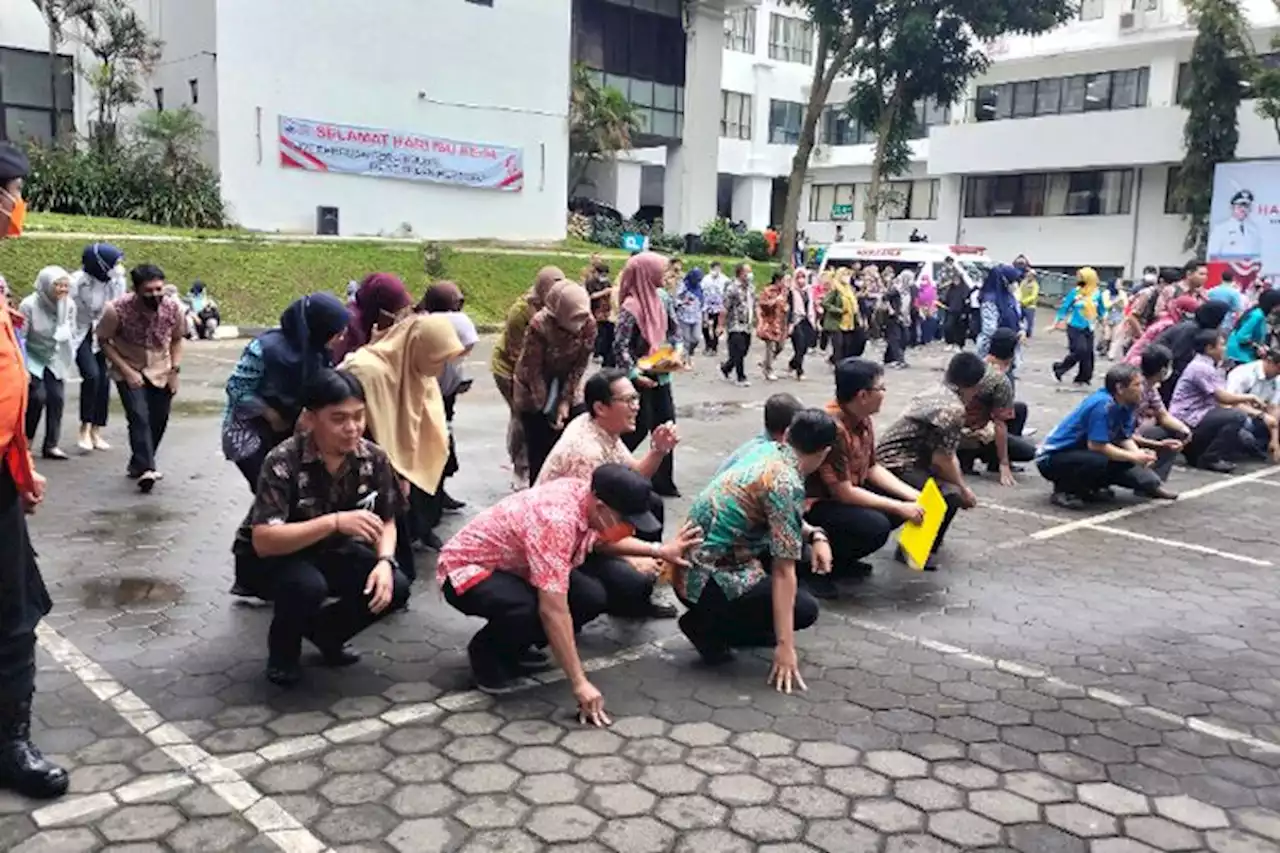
(547, 278)
(569, 304)
(400, 374)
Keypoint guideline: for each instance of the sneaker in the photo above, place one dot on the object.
(1218, 466)
(1057, 371)
(743, 383)
(450, 503)
(55, 453)
(340, 657)
(712, 654)
(533, 660)
(822, 587)
(147, 481)
(1067, 501)
(85, 441)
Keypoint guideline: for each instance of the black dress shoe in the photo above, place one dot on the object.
(339, 657)
(533, 660)
(429, 541)
(823, 587)
(658, 610)
(284, 674)
(450, 503)
(1219, 466)
(22, 767)
(712, 653)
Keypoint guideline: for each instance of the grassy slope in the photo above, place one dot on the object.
(253, 280)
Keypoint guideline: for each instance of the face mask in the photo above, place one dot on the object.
(16, 216)
(152, 303)
(1149, 278)
(616, 533)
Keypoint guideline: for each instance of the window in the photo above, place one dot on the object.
(1266, 60)
(1106, 192)
(1105, 90)
(785, 119)
(923, 200)
(742, 30)
(1024, 99)
(1049, 96)
(836, 128)
(194, 85)
(1092, 10)
(1171, 203)
(735, 115)
(927, 115)
(26, 95)
(914, 200)
(790, 39)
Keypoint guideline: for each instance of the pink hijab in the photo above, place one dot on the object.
(638, 294)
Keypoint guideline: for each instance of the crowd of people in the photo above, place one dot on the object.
(340, 420)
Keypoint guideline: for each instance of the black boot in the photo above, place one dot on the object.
(22, 767)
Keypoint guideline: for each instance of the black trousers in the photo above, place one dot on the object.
(746, 622)
(801, 339)
(46, 396)
(147, 410)
(1083, 472)
(916, 478)
(539, 437)
(657, 407)
(956, 327)
(895, 338)
(1217, 438)
(851, 343)
(95, 387)
(855, 532)
(299, 586)
(24, 601)
(1020, 449)
(1164, 461)
(739, 346)
(711, 331)
(604, 343)
(1079, 352)
(509, 604)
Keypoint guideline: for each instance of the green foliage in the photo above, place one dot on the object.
(435, 260)
(124, 51)
(755, 246)
(132, 182)
(1221, 62)
(669, 243)
(601, 123)
(719, 238)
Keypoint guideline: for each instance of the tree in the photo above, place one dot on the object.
(912, 52)
(839, 24)
(57, 15)
(1221, 63)
(173, 137)
(124, 51)
(601, 123)
(1266, 87)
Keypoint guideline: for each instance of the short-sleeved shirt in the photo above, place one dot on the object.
(1151, 409)
(749, 510)
(1099, 418)
(581, 449)
(1251, 332)
(540, 535)
(1251, 379)
(143, 337)
(751, 445)
(993, 402)
(932, 422)
(1193, 398)
(851, 457)
(296, 486)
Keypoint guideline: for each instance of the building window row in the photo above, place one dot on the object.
(845, 202)
(1099, 192)
(735, 115)
(1079, 93)
(638, 42)
(659, 108)
(790, 39)
(836, 127)
(785, 121)
(740, 30)
(26, 95)
(1267, 60)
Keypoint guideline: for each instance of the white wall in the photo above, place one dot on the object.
(939, 230)
(495, 75)
(188, 30)
(22, 26)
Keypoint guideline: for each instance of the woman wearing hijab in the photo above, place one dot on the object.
(998, 305)
(645, 325)
(548, 375)
(381, 301)
(441, 298)
(841, 319)
(50, 321)
(896, 317)
(1080, 310)
(927, 306)
(802, 321)
(771, 320)
(404, 406)
(263, 391)
(1180, 308)
(100, 279)
(689, 305)
(503, 364)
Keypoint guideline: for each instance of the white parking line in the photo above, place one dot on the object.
(1186, 546)
(1116, 515)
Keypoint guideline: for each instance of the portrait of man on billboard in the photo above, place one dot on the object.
(1237, 237)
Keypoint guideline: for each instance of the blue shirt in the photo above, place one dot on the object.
(1073, 309)
(1099, 418)
(1234, 299)
(743, 450)
(1252, 330)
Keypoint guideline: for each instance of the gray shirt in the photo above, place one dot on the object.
(91, 297)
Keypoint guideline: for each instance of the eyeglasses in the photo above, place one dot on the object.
(628, 399)
(879, 389)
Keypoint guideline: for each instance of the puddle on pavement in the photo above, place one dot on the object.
(133, 525)
(111, 593)
(712, 410)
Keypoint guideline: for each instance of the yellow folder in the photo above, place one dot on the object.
(917, 540)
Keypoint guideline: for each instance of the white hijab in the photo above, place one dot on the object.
(51, 316)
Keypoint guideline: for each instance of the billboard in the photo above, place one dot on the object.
(318, 146)
(1244, 221)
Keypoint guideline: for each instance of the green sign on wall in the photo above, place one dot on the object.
(842, 211)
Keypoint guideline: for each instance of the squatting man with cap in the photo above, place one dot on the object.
(526, 565)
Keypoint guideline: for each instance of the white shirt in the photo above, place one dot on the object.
(1250, 379)
(1235, 239)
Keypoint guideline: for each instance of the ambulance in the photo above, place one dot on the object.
(972, 261)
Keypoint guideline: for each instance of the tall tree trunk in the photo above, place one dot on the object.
(55, 36)
(828, 64)
(871, 211)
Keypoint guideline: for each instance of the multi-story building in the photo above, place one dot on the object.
(1062, 150)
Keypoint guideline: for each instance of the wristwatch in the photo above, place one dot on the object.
(390, 561)
(818, 535)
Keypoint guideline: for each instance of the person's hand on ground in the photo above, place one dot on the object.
(645, 382)
(785, 673)
(822, 558)
(968, 500)
(1006, 476)
(379, 587)
(34, 497)
(673, 551)
(360, 524)
(590, 705)
(912, 512)
(665, 437)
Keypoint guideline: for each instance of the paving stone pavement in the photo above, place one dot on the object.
(1108, 687)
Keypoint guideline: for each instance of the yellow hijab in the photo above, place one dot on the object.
(848, 302)
(1087, 292)
(400, 376)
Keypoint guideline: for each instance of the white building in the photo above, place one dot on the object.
(1062, 150)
